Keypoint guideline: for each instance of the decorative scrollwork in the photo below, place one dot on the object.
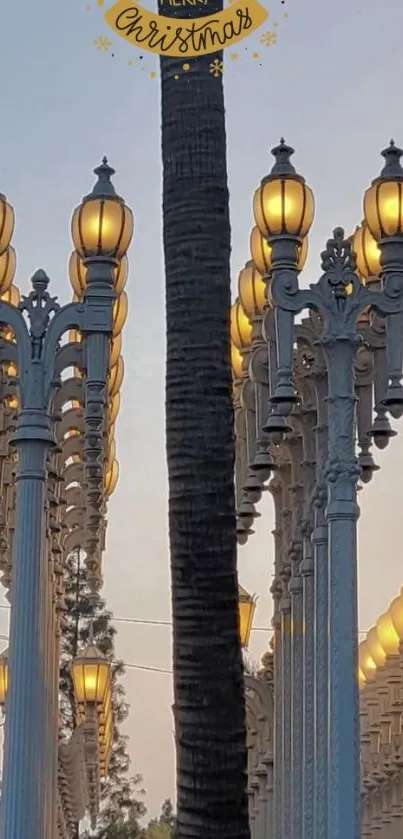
(339, 264)
(39, 306)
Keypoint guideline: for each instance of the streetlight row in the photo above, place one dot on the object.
(56, 479)
(304, 396)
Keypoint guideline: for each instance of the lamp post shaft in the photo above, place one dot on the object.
(308, 607)
(26, 773)
(320, 682)
(286, 718)
(295, 448)
(341, 517)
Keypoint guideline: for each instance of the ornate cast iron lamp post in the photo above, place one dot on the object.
(284, 211)
(102, 228)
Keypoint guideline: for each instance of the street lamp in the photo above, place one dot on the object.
(284, 210)
(33, 340)
(91, 675)
(246, 608)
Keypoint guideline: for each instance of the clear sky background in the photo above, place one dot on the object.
(332, 85)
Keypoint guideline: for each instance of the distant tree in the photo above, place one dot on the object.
(121, 804)
(164, 826)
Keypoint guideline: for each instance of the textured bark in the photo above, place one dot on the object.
(208, 674)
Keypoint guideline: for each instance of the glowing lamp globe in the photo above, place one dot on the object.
(383, 200)
(261, 252)
(396, 613)
(361, 680)
(12, 296)
(106, 710)
(120, 312)
(3, 677)
(111, 433)
(387, 635)
(91, 675)
(283, 204)
(367, 252)
(102, 225)
(111, 479)
(116, 349)
(114, 406)
(246, 607)
(375, 648)
(241, 327)
(75, 336)
(366, 662)
(236, 362)
(7, 222)
(111, 455)
(116, 377)
(8, 265)
(252, 291)
(78, 274)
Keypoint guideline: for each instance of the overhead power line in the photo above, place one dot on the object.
(147, 622)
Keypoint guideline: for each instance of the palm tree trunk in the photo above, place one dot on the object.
(208, 673)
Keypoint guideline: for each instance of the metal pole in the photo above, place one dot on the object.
(294, 442)
(25, 773)
(319, 544)
(308, 417)
(275, 488)
(341, 516)
(286, 698)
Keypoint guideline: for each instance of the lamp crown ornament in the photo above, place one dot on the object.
(40, 281)
(339, 262)
(392, 170)
(104, 186)
(283, 166)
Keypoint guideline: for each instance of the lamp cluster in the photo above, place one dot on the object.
(9, 293)
(102, 225)
(294, 388)
(381, 708)
(283, 207)
(78, 408)
(382, 640)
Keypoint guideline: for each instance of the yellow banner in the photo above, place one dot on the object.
(185, 37)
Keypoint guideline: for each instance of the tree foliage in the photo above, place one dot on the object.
(121, 794)
(164, 826)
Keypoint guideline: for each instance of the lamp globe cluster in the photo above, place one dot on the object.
(102, 228)
(382, 641)
(9, 293)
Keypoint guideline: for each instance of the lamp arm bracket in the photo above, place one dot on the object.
(69, 355)
(70, 316)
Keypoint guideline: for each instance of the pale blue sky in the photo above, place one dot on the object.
(333, 86)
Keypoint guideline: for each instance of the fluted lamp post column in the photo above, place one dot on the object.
(284, 211)
(102, 228)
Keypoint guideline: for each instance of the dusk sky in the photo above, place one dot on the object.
(332, 85)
